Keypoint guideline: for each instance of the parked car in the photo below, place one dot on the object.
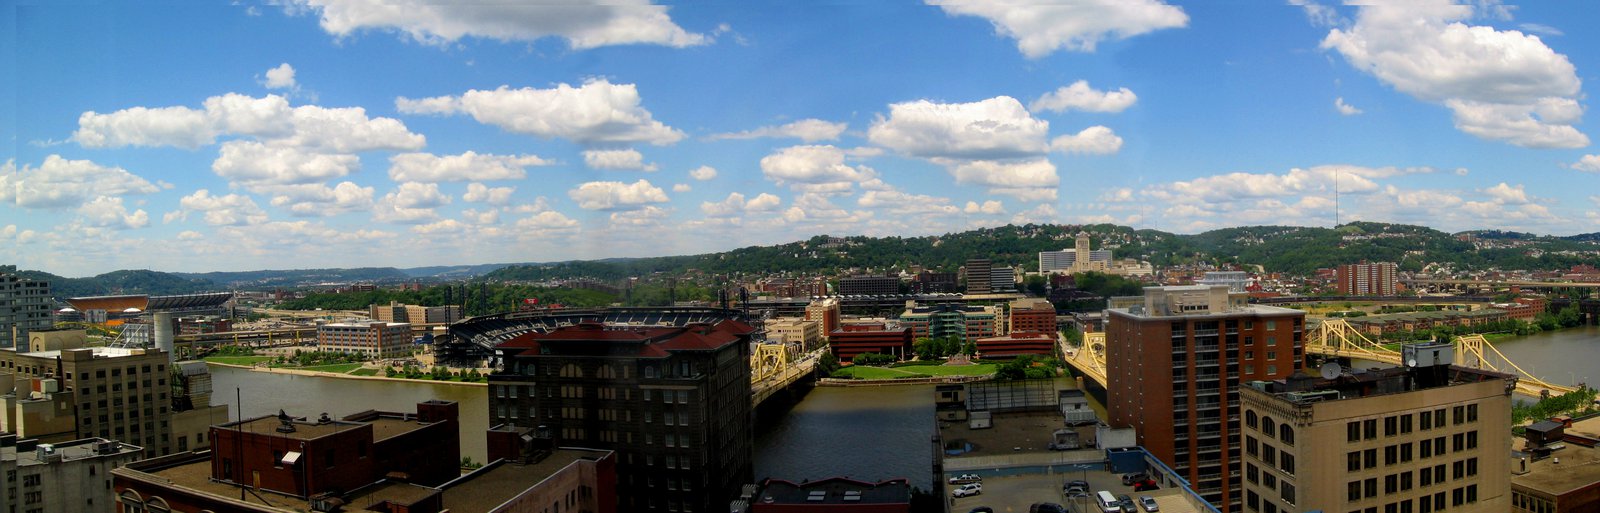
(1148, 503)
(1075, 487)
(966, 478)
(1046, 507)
(1126, 503)
(1146, 485)
(982, 509)
(1130, 479)
(968, 490)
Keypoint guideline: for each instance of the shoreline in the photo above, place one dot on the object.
(324, 374)
(936, 380)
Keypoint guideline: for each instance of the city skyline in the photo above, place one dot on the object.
(340, 135)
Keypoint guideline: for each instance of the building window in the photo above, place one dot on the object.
(1352, 431)
(1286, 434)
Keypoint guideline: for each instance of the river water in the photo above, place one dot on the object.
(868, 433)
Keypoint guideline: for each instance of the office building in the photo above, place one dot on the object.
(1002, 279)
(1366, 279)
(68, 477)
(375, 340)
(978, 272)
(965, 322)
(24, 306)
(869, 285)
(1422, 439)
(374, 461)
(1032, 315)
(113, 393)
(802, 334)
(826, 311)
(1174, 363)
(1068, 261)
(928, 282)
(672, 401)
(1017, 344)
(1556, 467)
(882, 337)
(397, 312)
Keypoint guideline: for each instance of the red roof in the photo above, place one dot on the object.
(652, 340)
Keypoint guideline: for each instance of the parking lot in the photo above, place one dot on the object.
(1013, 494)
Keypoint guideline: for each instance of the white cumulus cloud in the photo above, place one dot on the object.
(1501, 85)
(225, 210)
(987, 207)
(1587, 163)
(597, 112)
(281, 77)
(1041, 28)
(736, 204)
(995, 128)
(814, 168)
(1079, 96)
(703, 173)
(252, 163)
(1095, 140)
(61, 183)
(480, 193)
(806, 130)
(583, 24)
(608, 195)
(1345, 108)
(466, 167)
(627, 160)
(108, 211)
(1026, 180)
(317, 200)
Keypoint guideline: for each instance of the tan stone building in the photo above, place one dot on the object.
(111, 393)
(805, 334)
(374, 340)
(1423, 439)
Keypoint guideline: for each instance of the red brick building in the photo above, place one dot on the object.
(1173, 369)
(853, 339)
(1032, 316)
(1017, 344)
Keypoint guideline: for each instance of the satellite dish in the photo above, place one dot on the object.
(1411, 362)
(1330, 370)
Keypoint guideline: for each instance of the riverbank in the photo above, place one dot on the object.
(325, 374)
(930, 380)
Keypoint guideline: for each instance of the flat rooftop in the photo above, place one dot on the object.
(836, 490)
(492, 486)
(1248, 309)
(1302, 390)
(303, 430)
(70, 451)
(194, 473)
(1579, 467)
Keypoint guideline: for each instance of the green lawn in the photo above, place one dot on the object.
(364, 372)
(237, 360)
(341, 368)
(910, 371)
(951, 370)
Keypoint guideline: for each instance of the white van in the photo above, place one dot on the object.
(1108, 503)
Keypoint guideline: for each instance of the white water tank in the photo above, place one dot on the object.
(161, 322)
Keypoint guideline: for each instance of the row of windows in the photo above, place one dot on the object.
(1394, 425)
(1402, 482)
(1267, 426)
(1428, 503)
(1402, 453)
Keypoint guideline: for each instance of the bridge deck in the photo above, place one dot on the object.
(760, 390)
(1082, 360)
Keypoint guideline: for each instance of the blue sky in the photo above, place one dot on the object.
(331, 133)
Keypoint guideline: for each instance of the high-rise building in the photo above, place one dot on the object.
(374, 340)
(1173, 368)
(1426, 438)
(929, 282)
(826, 311)
(672, 401)
(1072, 260)
(1002, 279)
(1366, 279)
(978, 276)
(112, 393)
(869, 285)
(69, 477)
(24, 306)
(396, 311)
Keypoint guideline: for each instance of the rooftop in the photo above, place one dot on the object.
(493, 485)
(87, 448)
(384, 427)
(192, 471)
(1303, 391)
(1251, 309)
(836, 490)
(654, 341)
(1579, 465)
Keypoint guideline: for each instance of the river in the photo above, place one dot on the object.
(309, 396)
(1564, 357)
